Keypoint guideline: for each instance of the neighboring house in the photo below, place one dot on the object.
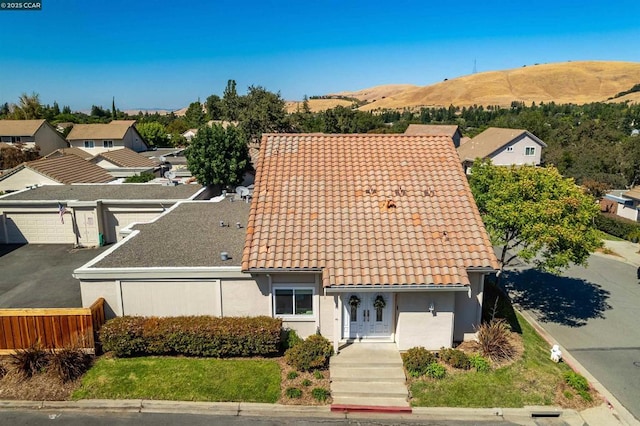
(505, 147)
(628, 203)
(98, 138)
(64, 170)
(189, 134)
(334, 219)
(453, 131)
(91, 214)
(70, 151)
(31, 133)
(124, 162)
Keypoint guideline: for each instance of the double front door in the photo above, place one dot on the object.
(368, 315)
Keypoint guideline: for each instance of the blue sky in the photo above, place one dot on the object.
(167, 54)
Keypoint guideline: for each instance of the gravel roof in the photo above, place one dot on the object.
(189, 235)
(129, 191)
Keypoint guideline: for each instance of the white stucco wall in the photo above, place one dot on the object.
(242, 298)
(517, 155)
(468, 309)
(628, 212)
(23, 179)
(416, 326)
(48, 139)
(108, 289)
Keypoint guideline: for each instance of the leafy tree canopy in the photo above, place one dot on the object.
(218, 156)
(264, 112)
(194, 116)
(536, 215)
(154, 133)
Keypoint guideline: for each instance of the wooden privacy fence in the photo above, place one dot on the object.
(52, 328)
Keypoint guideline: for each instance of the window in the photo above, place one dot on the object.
(509, 149)
(89, 144)
(293, 301)
(107, 144)
(530, 150)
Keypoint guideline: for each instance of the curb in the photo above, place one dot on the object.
(616, 409)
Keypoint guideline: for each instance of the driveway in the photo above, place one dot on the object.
(39, 275)
(593, 313)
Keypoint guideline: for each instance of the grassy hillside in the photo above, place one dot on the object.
(567, 82)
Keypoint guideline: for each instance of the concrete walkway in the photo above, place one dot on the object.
(624, 251)
(369, 375)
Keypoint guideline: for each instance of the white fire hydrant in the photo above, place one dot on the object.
(556, 353)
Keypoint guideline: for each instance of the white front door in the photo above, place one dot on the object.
(368, 315)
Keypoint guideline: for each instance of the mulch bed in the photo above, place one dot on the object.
(307, 398)
(45, 386)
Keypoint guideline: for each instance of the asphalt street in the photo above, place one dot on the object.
(593, 313)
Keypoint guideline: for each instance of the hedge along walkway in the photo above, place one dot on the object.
(182, 379)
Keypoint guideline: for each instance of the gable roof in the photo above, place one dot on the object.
(365, 210)
(491, 140)
(70, 151)
(633, 193)
(68, 169)
(125, 157)
(113, 130)
(432, 129)
(20, 127)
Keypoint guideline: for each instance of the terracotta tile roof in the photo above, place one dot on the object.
(125, 157)
(489, 141)
(70, 151)
(20, 127)
(432, 129)
(70, 169)
(366, 210)
(113, 130)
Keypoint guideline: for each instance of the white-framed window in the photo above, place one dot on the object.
(89, 144)
(509, 149)
(107, 144)
(530, 150)
(293, 301)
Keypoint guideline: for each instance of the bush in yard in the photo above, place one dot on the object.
(306, 383)
(617, 226)
(292, 375)
(320, 394)
(192, 336)
(416, 360)
(312, 353)
(479, 363)
(455, 358)
(493, 337)
(436, 371)
(318, 375)
(578, 383)
(290, 338)
(31, 361)
(293, 393)
(70, 363)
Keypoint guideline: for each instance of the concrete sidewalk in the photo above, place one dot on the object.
(623, 251)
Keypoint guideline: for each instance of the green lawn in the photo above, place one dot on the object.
(610, 237)
(185, 379)
(530, 381)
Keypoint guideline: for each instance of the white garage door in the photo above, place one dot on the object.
(121, 219)
(37, 228)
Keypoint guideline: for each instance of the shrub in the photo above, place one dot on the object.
(320, 394)
(141, 178)
(70, 363)
(578, 383)
(619, 227)
(292, 375)
(479, 363)
(318, 375)
(436, 371)
(306, 382)
(289, 338)
(455, 358)
(293, 393)
(311, 353)
(493, 337)
(30, 361)
(192, 336)
(416, 360)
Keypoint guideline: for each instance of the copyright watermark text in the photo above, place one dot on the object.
(25, 5)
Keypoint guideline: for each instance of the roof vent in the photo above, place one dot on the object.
(224, 255)
(400, 192)
(370, 190)
(429, 192)
(238, 225)
(222, 223)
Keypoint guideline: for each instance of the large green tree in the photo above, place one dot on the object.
(154, 133)
(230, 102)
(536, 215)
(28, 108)
(194, 116)
(264, 112)
(218, 156)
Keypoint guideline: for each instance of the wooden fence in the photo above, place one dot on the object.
(52, 328)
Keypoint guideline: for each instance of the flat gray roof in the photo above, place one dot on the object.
(125, 191)
(189, 235)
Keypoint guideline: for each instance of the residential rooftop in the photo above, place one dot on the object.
(126, 191)
(125, 157)
(492, 139)
(116, 129)
(66, 169)
(20, 127)
(189, 235)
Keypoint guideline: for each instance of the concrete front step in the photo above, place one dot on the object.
(363, 389)
(371, 401)
(379, 374)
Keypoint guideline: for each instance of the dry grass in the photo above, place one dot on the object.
(317, 105)
(567, 82)
(45, 386)
(307, 398)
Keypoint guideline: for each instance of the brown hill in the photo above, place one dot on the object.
(567, 82)
(316, 105)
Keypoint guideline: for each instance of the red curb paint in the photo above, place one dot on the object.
(369, 409)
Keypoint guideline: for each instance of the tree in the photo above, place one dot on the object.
(194, 116)
(28, 108)
(230, 102)
(213, 106)
(218, 156)
(536, 215)
(264, 112)
(114, 112)
(154, 133)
